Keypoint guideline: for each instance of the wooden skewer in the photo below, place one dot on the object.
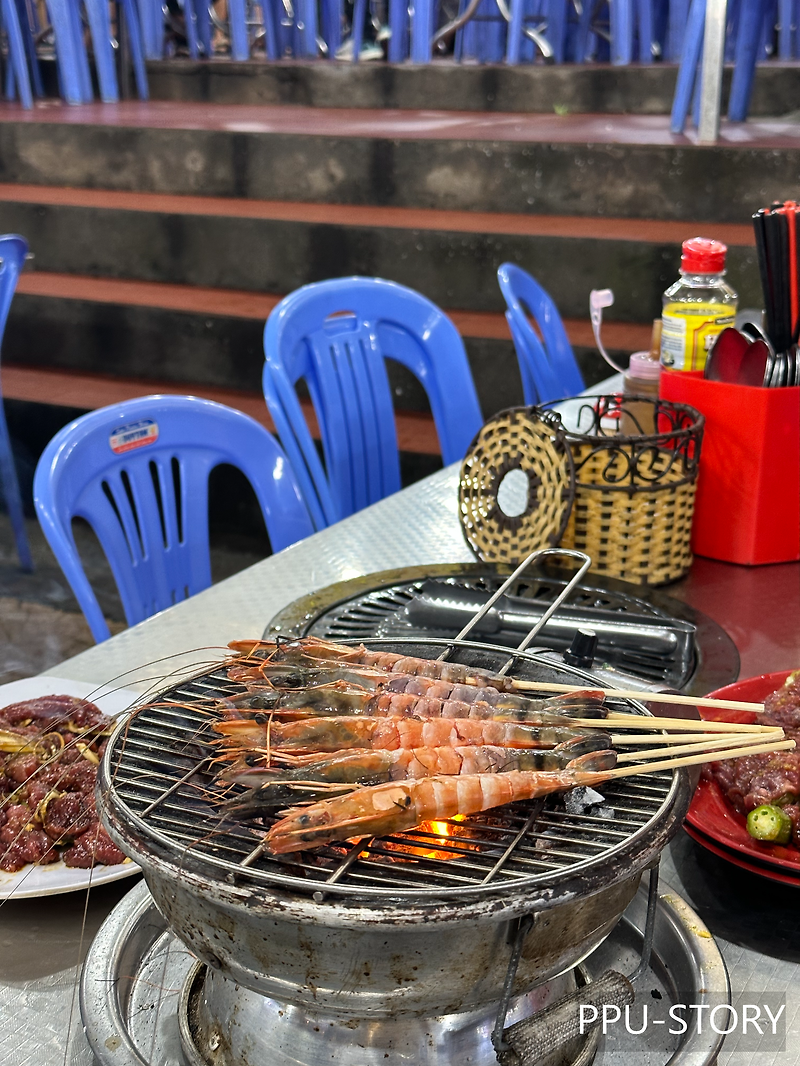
(685, 749)
(684, 738)
(642, 697)
(694, 760)
(689, 725)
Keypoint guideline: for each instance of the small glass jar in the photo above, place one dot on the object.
(640, 379)
(697, 307)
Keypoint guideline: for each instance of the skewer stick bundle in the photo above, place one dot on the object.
(643, 697)
(688, 725)
(654, 765)
(728, 741)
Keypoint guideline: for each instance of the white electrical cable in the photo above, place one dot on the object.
(598, 299)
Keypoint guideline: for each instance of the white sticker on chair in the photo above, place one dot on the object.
(134, 435)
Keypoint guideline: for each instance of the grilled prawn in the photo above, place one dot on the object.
(398, 806)
(404, 696)
(336, 733)
(313, 778)
(257, 655)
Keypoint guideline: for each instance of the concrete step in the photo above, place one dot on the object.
(273, 247)
(567, 89)
(191, 337)
(627, 166)
(416, 432)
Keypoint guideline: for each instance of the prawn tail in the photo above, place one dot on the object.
(587, 703)
(582, 745)
(594, 762)
(590, 778)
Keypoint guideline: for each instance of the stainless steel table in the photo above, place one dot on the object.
(755, 922)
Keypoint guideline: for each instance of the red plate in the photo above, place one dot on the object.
(713, 819)
(737, 860)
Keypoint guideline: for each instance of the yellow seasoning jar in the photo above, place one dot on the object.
(697, 307)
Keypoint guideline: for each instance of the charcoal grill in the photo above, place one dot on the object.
(412, 927)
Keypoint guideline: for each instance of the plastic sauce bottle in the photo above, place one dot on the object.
(640, 379)
(697, 307)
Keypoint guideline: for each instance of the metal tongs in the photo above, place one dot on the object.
(541, 553)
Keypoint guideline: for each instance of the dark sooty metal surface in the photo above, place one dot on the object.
(160, 782)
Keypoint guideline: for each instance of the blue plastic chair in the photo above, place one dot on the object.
(71, 57)
(549, 370)
(13, 250)
(335, 336)
(18, 36)
(137, 472)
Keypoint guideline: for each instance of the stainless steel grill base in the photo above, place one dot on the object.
(139, 981)
(222, 1024)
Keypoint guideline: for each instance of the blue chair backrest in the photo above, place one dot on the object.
(137, 472)
(335, 336)
(13, 250)
(549, 370)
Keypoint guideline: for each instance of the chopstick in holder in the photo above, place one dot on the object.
(790, 210)
(760, 229)
(727, 741)
(777, 252)
(643, 697)
(695, 760)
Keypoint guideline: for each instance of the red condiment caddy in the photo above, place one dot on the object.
(747, 508)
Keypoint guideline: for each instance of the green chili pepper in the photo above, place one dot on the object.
(770, 824)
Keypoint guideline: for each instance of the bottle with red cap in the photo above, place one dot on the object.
(697, 307)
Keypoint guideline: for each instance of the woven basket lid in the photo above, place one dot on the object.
(526, 439)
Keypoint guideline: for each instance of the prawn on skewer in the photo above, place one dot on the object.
(402, 697)
(281, 676)
(398, 806)
(291, 676)
(318, 778)
(334, 734)
(258, 655)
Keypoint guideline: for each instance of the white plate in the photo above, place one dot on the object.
(56, 878)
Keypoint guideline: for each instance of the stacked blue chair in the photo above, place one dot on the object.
(71, 57)
(547, 366)
(13, 250)
(631, 28)
(750, 25)
(138, 472)
(22, 70)
(335, 336)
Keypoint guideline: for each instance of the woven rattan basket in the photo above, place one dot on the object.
(634, 495)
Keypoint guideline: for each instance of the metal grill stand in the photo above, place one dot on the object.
(534, 1040)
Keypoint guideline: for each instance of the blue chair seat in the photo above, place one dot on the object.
(138, 472)
(335, 336)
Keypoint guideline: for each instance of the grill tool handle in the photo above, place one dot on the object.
(533, 1039)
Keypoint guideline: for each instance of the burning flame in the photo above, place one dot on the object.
(427, 851)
